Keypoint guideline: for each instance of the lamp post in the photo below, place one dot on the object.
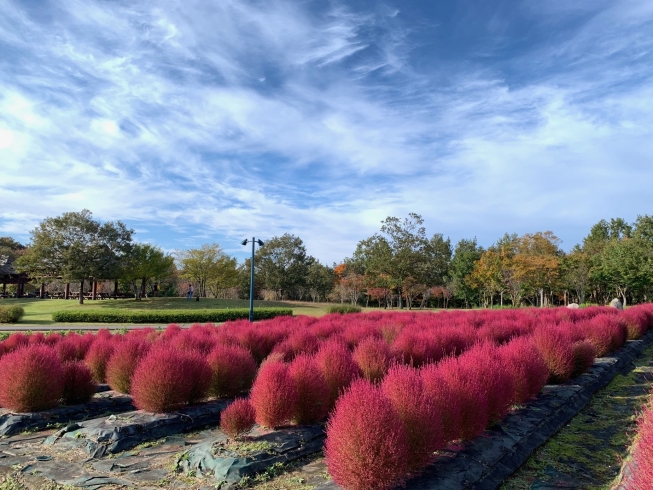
(254, 241)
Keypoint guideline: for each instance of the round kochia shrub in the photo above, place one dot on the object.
(233, 370)
(373, 357)
(123, 362)
(555, 346)
(337, 367)
(274, 394)
(238, 418)
(97, 358)
(312, 404)
(167, 378)
(79, 386)
(31, 379)
(529, 371)
(366, 447)
(404, 387)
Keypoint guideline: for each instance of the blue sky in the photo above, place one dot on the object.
(211, 121)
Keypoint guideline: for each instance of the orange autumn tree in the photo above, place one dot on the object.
(536, 264)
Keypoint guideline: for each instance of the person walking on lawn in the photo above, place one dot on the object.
(189, 293)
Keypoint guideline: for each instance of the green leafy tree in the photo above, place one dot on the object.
(320, 280)
(625, 266)
(203, 265)
(282, 265)
(76, 247)
(147, 263)
(224, 276)
(466, 253)
(10, 248)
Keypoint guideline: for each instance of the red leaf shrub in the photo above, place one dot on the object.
(31, 380)
(36, 338)
(238, 418)
(584, 355)
(312, 404)
(366, 446)
(273, 395)
(444, 394)
(404, 387)
(97, 358)
(300, 342)
(555, 347)
(15, 341)
(529, 371)
(233, 370)
(67, 349)
(642, 463)
(338, 368)
(167, 378)
(373, 357)
(123, 362)
(636, 322)
(79, 386)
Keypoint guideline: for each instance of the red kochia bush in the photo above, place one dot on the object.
(373, 357)
(337, 367)
(123, 361)
(32, 379)
(79, 386)
(445, 395)
(366, 446)
(238, 418)
(404, 387)
(167, 378)
(555, 347)
(584, 355)
(233, 370)
(15, 341)
(312, 391)
(529, 371)
(273, 394)
(97, 358)
(636, 322)
(642, 464)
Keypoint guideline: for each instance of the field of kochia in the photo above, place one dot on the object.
(393, 387)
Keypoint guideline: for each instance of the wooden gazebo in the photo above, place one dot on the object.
(8, 275)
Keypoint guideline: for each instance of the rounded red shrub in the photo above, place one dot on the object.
(299, 342)
(36, 338)
(97, 358)
(200, 372)
(642, 462)
(233, 370)
(15, 341)
(273, 395)
(373, 357)
(238, 418)
(555, 347)
(166, 379)
(31, 380)
(312, 404)
(123, 362)
(79, 386)
(67, 349)
(337, 366)
(636, 322)
(527, 366)
(404, 387)
(366, 446)
(584, 355)
(438, 387)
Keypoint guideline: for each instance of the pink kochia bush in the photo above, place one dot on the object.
(123, 362)
(79, 386)
(642, 464)
(31, 379)
(367, 447)
(312, 403)
(527, 367)
(274, 395)
(168, 378)
(555, 346)
(373, 357)
(233, 370)
(238, 418)
(404, 387)
(337, 367)
(97, 358)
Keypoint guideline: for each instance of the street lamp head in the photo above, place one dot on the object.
(260, 242)
(244, 242)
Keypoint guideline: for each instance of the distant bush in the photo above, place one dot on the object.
(123, 362)
(164, 316)
(79, 386)
(344, 309)
(366, 446)
(274, 395)
(11, 314)
(31, 380)
(238, 418)
(233, 370)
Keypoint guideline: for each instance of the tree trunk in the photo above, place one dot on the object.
(115, 290)
(42, 291)
(81, 292)
(66, 293)
(143, 283)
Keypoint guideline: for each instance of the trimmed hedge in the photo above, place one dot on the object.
(165, 316)
(343, 309)
(11, 314)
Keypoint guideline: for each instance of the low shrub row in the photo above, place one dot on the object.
(165, 316)
(11, 314)
(344, 309)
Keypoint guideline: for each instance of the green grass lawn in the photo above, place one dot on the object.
(39, 311)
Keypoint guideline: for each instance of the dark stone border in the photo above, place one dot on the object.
(108, 402)
(114, 434)
(485, 462)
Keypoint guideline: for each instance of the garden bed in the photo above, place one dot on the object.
(110, 435)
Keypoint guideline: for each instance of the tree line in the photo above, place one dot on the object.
(398, 266)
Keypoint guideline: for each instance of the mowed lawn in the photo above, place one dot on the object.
(39, 311)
